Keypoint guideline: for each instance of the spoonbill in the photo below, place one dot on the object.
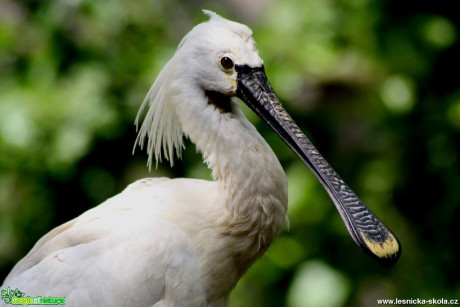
(187, 242)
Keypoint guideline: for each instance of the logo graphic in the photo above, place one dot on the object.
(16, 297)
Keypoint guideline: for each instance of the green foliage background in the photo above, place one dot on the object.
(374, 84)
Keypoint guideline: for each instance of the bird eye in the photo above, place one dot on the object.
(226, 62)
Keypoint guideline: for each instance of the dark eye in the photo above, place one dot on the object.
(226, 62)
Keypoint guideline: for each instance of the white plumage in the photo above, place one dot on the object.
(187, 242)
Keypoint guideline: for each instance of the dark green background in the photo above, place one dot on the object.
(374, 84)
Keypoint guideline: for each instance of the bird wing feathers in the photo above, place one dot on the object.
(127, 246)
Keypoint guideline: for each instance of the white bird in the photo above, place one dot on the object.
(187, 242)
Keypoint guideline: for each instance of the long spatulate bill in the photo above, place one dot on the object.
(365, 228)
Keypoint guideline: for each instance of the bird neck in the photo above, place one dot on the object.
(252, 184)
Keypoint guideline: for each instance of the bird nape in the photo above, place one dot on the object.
(187, 242)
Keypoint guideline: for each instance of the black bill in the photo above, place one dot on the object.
(364, 227)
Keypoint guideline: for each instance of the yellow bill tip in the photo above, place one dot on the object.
(386, 252)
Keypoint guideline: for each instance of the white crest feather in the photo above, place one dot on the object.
(161, 125)
(213, 15)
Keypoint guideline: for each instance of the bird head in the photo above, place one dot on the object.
(213, 50)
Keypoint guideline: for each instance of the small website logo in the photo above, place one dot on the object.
(16, 297)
